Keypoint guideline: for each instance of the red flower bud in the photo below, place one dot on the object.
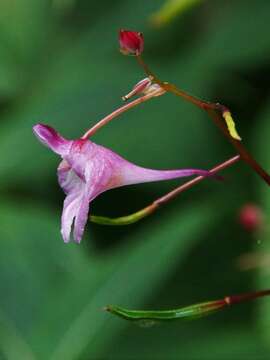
(131, 42)
(251, 217)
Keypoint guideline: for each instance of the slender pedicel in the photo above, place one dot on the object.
(148, 210)
(116, 113)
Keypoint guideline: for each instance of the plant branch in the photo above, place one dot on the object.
(218, 113)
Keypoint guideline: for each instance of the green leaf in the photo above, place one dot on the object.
(171, 9)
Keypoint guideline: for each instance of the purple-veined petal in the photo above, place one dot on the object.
(97, 173)
(74, 204)
(67, 178)
(80, 156)
(81, 218)
(71, 206)
(75, 188)
(49, 137)
(79, 195)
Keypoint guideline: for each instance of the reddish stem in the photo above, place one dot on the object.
(236, 299)
(116, 113)
(215, 111)
(172, 194)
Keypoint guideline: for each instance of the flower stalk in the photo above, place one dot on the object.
(116, 113)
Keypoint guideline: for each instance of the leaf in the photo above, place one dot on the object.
(171, 9)
(12, 343)
(24, 27)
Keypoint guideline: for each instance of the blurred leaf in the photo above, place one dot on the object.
(24, 29)
(230, 40)
(23, 24)
(63, 5)
(171, 9)
(127, 282)
(12, 344)
(32, 275)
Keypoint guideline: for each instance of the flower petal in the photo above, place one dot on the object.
(75, 188)
(81, 218)
(71, 207)
(49, 137)
(79, 194)
(67, 178)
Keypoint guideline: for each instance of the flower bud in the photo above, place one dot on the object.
(131, 42)
(250, 217)
(145, 87)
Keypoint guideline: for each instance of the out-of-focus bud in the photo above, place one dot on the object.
(131, 42)
(145, 87)
(251, 217)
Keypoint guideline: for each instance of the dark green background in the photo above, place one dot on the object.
(60, 64)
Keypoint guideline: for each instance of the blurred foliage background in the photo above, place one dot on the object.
(60, 64)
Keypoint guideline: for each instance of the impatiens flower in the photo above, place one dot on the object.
(88, 169)
(131, 42)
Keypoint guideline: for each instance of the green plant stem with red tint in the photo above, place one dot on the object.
(215, 111)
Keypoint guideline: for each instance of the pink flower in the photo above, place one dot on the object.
(88, 169)
(131, 42)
